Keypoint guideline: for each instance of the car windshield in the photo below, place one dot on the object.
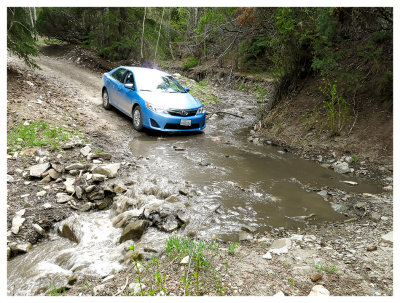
(159, 83)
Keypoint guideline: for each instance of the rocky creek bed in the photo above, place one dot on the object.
(46, 186)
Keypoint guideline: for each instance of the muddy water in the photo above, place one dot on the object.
(245, 183)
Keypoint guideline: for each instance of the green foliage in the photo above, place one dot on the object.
(336, 107)
(21, 34)
(354, 159)
(37, 133)
(190, 62)
(232, 246)
(327, 268)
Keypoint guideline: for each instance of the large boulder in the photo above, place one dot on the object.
(134, 230)
(123, 219)
(70, 229)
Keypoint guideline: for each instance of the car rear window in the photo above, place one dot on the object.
(119, 74)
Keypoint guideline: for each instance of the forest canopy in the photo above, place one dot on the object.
(347, 45)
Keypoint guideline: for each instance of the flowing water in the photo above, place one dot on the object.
(233, 183)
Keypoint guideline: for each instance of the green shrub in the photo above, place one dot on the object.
(190, 62)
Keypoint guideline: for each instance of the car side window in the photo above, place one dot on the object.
(129, 78)
(119, 74)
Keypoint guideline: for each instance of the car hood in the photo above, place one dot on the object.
(170, 100)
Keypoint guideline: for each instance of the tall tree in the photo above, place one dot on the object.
(21, 34)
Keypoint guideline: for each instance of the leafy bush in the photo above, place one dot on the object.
(190, 62)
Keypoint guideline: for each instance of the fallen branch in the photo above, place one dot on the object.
(123, 288)
(226, 113)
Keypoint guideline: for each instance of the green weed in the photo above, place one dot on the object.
(327, 268)
(37, 133)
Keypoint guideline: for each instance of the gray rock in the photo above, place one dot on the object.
(104, 156)
(339, 207)
(63, 198)
(388, 237)
(134, 230)
(279, 294)
(38, 169)
(98, 177)
(85, 150)
(8, 253)
(96, 195)
(109, 170)
(172, 199)
(119, 188)
(280, 246)
(46, 179)
(57, 167)
(170, 225)
(17, 221)
(69, 185)
(183, 217)
(10, 179)
(90, 188)
(86, 207)
(42, 153)
(17, 248)
(39, 229)
(267, 256)
(374, 216)
(41, 193)
(123, 219)
(98, 290)
(68, 231)
(249, 229)
(322, 193)
(54, 174)
(319, 290)
(74, 172)
(244, 236)
(341, 167)
(101, 205)
(78, 192)
(75, 166)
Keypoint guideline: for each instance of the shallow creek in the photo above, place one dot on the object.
(231, 182)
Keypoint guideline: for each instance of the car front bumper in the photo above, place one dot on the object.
(170, 123)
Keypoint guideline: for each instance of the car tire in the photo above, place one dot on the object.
(106, 99)
(137, 118)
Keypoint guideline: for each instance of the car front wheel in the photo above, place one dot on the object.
(137, 118)
(106, 100)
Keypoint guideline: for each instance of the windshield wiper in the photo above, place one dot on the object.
(145, 90)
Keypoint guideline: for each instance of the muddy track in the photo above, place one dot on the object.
(87, 85)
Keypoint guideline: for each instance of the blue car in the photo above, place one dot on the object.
(153, 99)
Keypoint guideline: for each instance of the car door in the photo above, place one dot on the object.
(116, 86)
(128, 95)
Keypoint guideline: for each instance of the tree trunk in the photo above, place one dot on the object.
(159, 32)
(141, 47)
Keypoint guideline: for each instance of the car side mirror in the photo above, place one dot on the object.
(129, 86)
(187, 89)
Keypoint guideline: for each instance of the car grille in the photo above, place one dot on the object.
(182, 112)
(177, 126)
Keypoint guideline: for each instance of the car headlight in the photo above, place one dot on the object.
(201, 110)
(156, 109)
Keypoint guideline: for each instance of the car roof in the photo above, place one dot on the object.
(143, 70)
